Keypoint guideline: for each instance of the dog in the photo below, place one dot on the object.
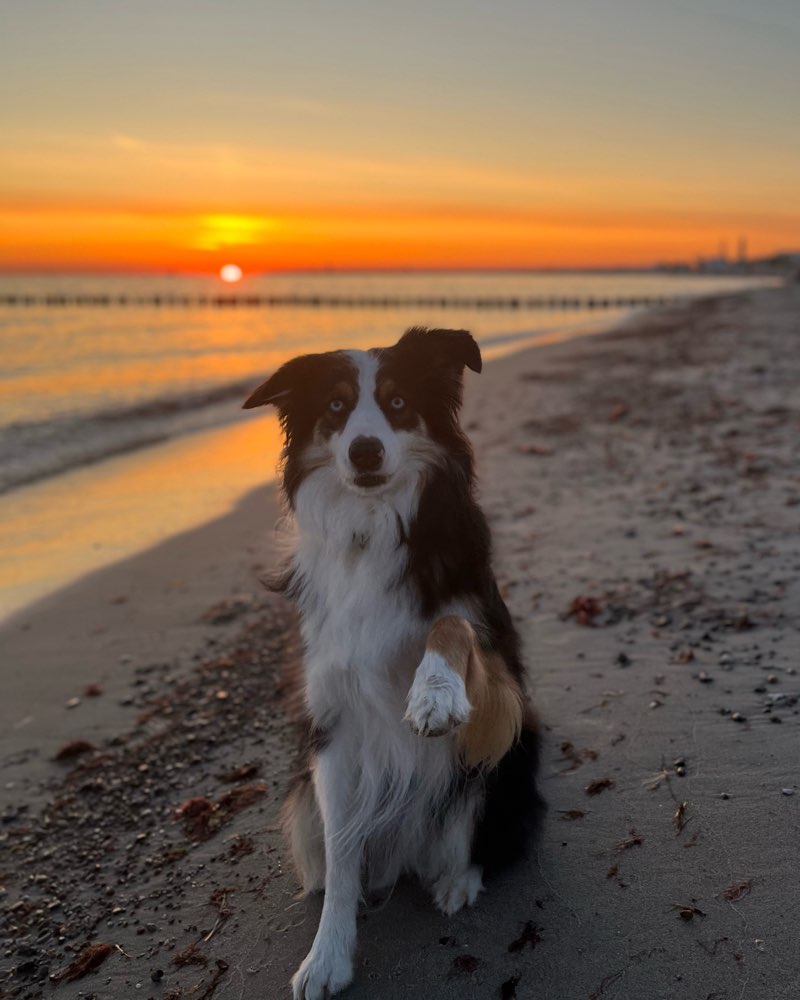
(421, 746)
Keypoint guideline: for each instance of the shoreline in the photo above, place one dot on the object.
(642, 491)
(45, 552)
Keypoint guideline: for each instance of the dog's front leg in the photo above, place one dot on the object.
(328, 967)
(437, 701)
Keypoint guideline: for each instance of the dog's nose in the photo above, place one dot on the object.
(366, 454)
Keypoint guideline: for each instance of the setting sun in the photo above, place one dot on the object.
(230, 273)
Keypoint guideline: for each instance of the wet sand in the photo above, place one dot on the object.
(643, 488)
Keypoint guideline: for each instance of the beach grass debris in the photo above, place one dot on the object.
(570, 815)
(737, 890)
(633, 839)
(584, 609)
(220, 970)
(202, 817)
(219, 900)
(90, 959)
(240, 847)
(607, 981)
(598, 785)
(574, 756)
(73, 749)
(240, 773)
(679, 817)
(190, 955)
(529, 936)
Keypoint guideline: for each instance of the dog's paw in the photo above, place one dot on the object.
(437, 701)
(322, 973)
(452, 892)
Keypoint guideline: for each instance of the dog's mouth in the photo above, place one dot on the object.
(369, 480)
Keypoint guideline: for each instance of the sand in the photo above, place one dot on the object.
(643, 488)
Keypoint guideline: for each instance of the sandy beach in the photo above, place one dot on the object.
(643, 488)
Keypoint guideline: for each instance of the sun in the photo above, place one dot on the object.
(230, 273)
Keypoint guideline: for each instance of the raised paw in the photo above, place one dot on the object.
(452, 892)
(321, 974)
(437, 701)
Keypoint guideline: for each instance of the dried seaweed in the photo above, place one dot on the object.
(89, 960)
(598, 785)
(737, 890)
(633, 840)
(571, 814)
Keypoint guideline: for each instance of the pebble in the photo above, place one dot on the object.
(73, 702)
(738, 717)
(787, 791)
(724, 795)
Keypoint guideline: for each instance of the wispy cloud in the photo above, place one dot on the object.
(128, 143)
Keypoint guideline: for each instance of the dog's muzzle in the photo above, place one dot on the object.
(366, 457)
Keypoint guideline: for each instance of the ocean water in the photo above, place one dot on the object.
(122, 425)
(79, 383)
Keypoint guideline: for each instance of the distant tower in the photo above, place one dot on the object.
(723, 250)
(742, 250)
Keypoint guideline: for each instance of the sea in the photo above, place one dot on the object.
(120, 396)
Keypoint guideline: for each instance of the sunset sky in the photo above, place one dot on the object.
(182, 134)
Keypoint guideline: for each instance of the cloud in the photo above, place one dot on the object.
(128, 143)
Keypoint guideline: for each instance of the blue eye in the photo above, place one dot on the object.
(336, 405)
(397, 403)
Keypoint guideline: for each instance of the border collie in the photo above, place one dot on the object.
(421, 747)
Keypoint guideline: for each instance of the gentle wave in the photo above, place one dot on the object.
(35, 450)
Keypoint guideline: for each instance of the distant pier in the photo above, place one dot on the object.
(333, 301)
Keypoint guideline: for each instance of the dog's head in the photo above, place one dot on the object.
(373, 417)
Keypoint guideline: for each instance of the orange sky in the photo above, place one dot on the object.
(184, 138)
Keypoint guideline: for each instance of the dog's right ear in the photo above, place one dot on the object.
(289, 379)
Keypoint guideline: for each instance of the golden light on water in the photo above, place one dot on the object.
(230, 273)
(61, 528)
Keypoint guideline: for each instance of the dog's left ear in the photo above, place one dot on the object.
(453, 348)
(293, 377)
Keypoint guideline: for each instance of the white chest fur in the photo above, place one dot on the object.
(364, 638)
(362, 630)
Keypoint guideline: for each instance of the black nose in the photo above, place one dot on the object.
(366, 454)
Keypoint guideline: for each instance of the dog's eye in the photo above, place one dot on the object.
(397, 403)
(336, 405)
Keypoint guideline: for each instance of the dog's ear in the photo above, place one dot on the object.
(450, 348)
(291, 378)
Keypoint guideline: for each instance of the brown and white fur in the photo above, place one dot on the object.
(421, 748)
